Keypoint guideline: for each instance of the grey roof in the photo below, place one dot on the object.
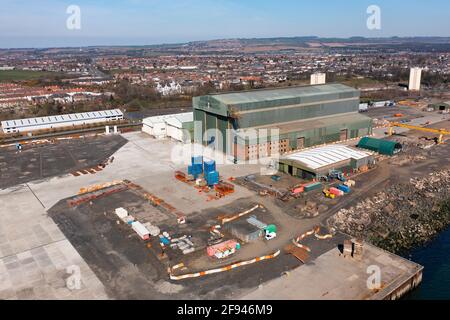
(280, 93)
(313, 123)
(18, 123)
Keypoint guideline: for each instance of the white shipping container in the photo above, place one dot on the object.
(141, 230)
(121, 213)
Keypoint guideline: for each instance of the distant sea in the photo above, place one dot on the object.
(435, 257)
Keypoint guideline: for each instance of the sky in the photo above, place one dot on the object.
(43, 23)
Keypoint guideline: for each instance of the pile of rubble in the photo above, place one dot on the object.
(412, 152)
(403, 216)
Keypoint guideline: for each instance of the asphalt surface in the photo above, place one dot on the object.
(44, 161)
(130, 270)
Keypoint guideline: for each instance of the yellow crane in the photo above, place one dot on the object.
(440, 132)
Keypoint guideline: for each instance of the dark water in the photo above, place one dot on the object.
(435, 257)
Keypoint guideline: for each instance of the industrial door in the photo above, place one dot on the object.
(300, 143)
(343, 135)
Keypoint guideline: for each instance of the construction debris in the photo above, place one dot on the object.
(183, 243)
(86, 197)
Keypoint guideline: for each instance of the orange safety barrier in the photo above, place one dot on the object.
(226, 268)
(314, 231)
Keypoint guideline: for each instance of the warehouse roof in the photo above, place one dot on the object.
(178, 119)
(18, 123)
(326, 156)
(173, 119)
(280, 93)
(321, 122)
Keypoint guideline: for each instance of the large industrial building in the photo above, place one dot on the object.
(64, 120)
(305, 116)
(317, 162)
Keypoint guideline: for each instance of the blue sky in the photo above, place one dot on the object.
(42, 23)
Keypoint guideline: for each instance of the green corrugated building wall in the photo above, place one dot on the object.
(305, 116)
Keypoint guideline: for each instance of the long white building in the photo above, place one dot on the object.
(65, 120)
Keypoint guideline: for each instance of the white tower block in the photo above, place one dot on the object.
(414, 79)
(318, 78)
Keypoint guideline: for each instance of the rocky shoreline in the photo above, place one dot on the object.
(403, 216)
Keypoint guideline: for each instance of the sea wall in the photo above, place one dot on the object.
(401, 217)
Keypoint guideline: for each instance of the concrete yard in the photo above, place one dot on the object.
(35, 255)
(47, 160)
(346, 278)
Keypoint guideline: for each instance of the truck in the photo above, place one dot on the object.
(363, 107)
(328, 194)
(344, 188)
(270, 232)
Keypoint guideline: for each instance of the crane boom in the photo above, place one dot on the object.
(440, 132)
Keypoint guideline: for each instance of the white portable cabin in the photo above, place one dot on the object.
(121, 213)
(142, 231)
(154, 126)
(170, 125)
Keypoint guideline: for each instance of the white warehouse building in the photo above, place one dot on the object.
(175, 126)
(65, 120)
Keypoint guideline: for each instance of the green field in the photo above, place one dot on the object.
(16, 75)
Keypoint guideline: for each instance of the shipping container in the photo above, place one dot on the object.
(298, 190)
(336, 192)
(344, 188)
(142, 231)
(121, 213)
(313, 186)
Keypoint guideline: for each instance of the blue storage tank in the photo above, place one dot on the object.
(212, 178)
(344, 188)
(197, 160)
(209, 166)
(197, 168)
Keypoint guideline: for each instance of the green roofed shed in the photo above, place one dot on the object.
(379, 145)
